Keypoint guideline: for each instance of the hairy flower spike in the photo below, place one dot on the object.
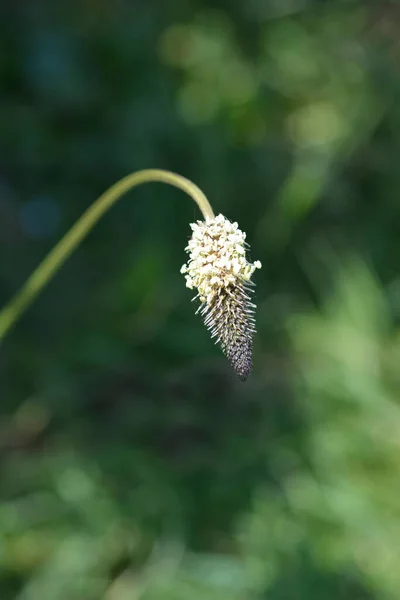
(218, 269)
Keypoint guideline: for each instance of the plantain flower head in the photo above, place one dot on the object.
(217, 268)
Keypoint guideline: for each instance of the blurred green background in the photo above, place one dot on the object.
(133, 464)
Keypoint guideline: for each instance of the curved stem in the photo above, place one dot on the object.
(62, 250)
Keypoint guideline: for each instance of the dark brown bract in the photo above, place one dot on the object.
(230, 318)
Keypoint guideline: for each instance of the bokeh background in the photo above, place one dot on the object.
(133, 465)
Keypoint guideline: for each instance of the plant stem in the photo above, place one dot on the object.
(62, 250)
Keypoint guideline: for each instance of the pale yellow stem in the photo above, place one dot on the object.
(62, 250)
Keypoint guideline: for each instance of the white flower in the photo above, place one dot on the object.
(218, 269)
(217, 256)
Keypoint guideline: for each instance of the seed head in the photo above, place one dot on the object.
(218, 269)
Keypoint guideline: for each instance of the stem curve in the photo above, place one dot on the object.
(35, 283)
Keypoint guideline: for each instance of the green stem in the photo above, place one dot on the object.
(62, 250)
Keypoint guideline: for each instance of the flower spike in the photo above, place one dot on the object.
(218, 270)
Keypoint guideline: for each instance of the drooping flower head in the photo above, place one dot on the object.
(218, 270)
